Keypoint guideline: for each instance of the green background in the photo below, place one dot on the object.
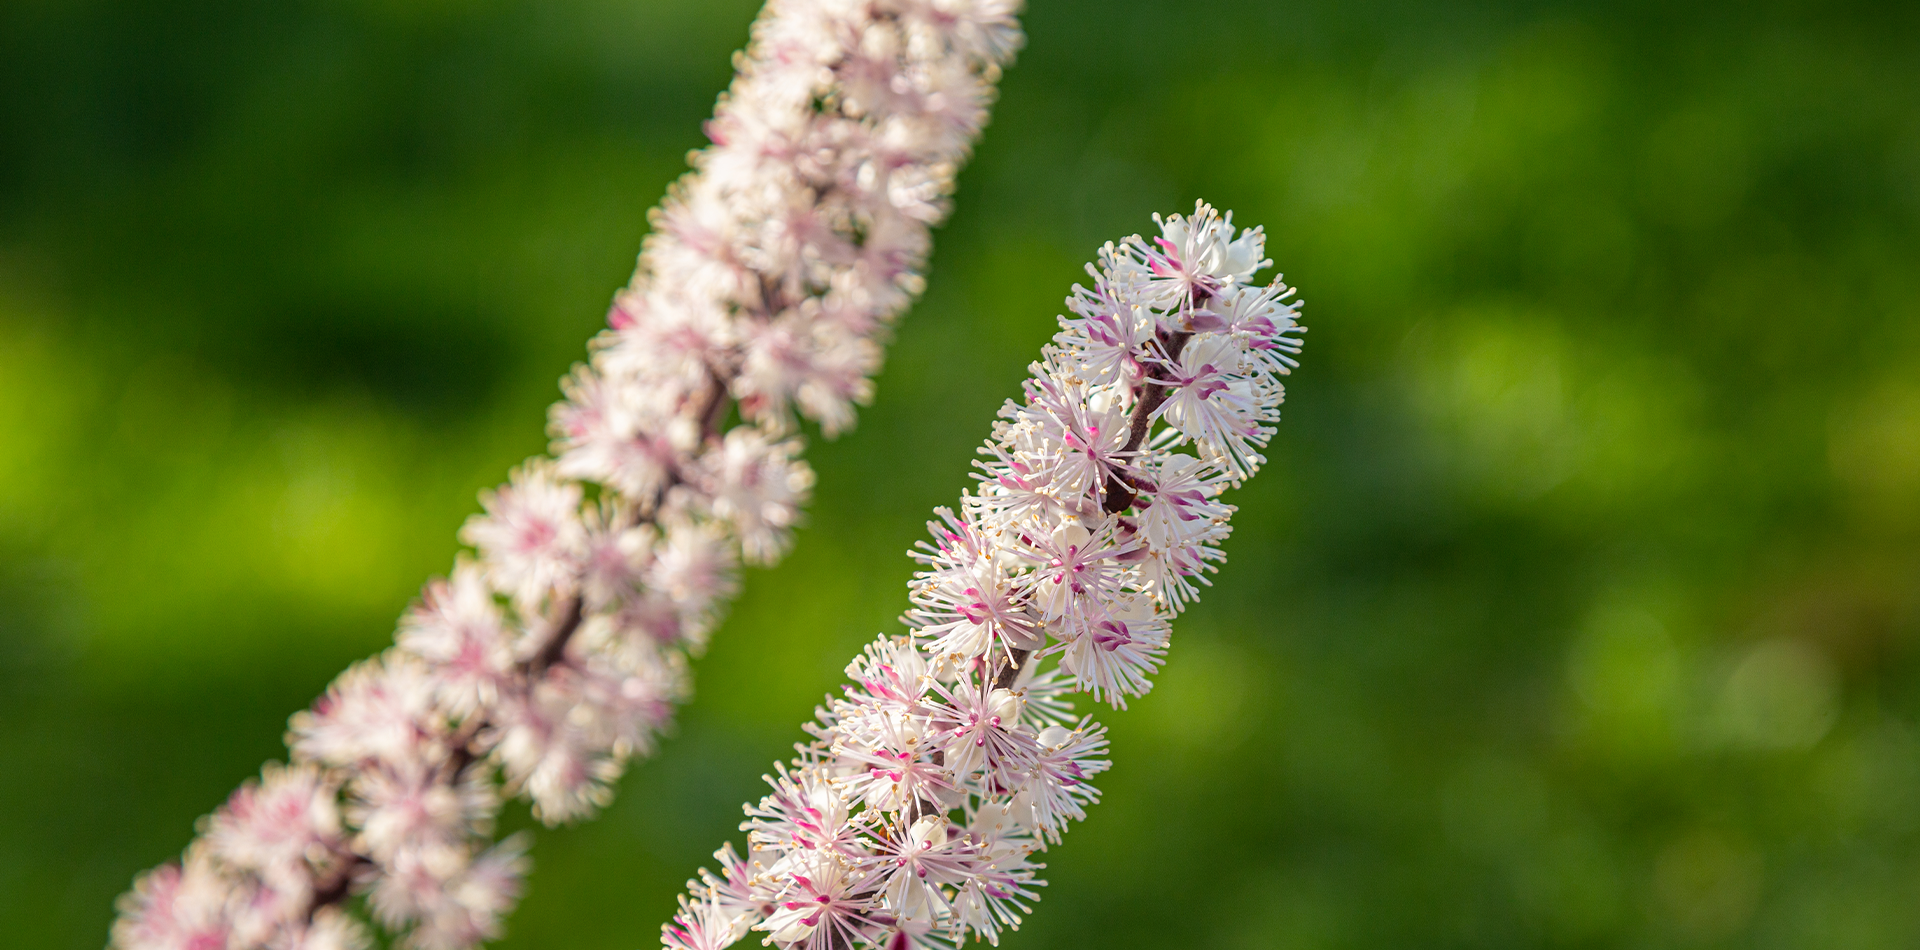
(1579, 606)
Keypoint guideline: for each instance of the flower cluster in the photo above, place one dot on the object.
(556, 650)
(913, 816)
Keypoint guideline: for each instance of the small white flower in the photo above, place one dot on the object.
(177, 907)
(471, 904)
(1217, 405)
(1198, 256)
(1109, 332)
(544, 751)
(695, 569)
(820, 909)
(757, 486)
(380, 709)
(701, 924)
(459, 632)
(1113, 657)
(411, 807)
(530, 540)
(609, 431)
(330, 929)
(274, 826)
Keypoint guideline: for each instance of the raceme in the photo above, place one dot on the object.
(556, 650)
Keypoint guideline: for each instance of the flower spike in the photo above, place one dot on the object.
(913, 818)
(555, 651)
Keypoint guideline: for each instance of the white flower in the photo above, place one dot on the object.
(917, 862)
(1058, 790)
(410, 807)
(610, 431)
(176, 907)
(1216, 404)
(1109, 332)
(330, 929)
(459, 632)
(272, 827)
(1264, 319)
(983, 736)
(1078, 433)
(804, 815)
(967, 602)
(469, 905)
(694, 568)
(1179, 502)
(544, 751)
(820, 909)
(967, 608)
(699, 925)
(614, 557)
(1113, 657)
(411, 884)
(1199, 256)
(757, 487)
(380, 709)
(1075, 572)
(530, 539)
(887, 771)
(626, 697)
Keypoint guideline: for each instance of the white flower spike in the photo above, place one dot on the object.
(557, 652)
(913, 817)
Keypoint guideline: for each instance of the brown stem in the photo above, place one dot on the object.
(716, 408)
(1016, 661)
(556, 645)
(1120, 497)
(338, 887)
(462, 745)
(921, 808)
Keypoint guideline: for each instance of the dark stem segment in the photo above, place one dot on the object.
(336, 889)
(922, 807)
(716, 408)
(1120, 496)
(556, 644)
(462, 745)
(1016, 661)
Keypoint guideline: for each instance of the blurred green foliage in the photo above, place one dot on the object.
(1579, 607)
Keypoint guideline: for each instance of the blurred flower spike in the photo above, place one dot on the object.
(556, 651)
(912, 818)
